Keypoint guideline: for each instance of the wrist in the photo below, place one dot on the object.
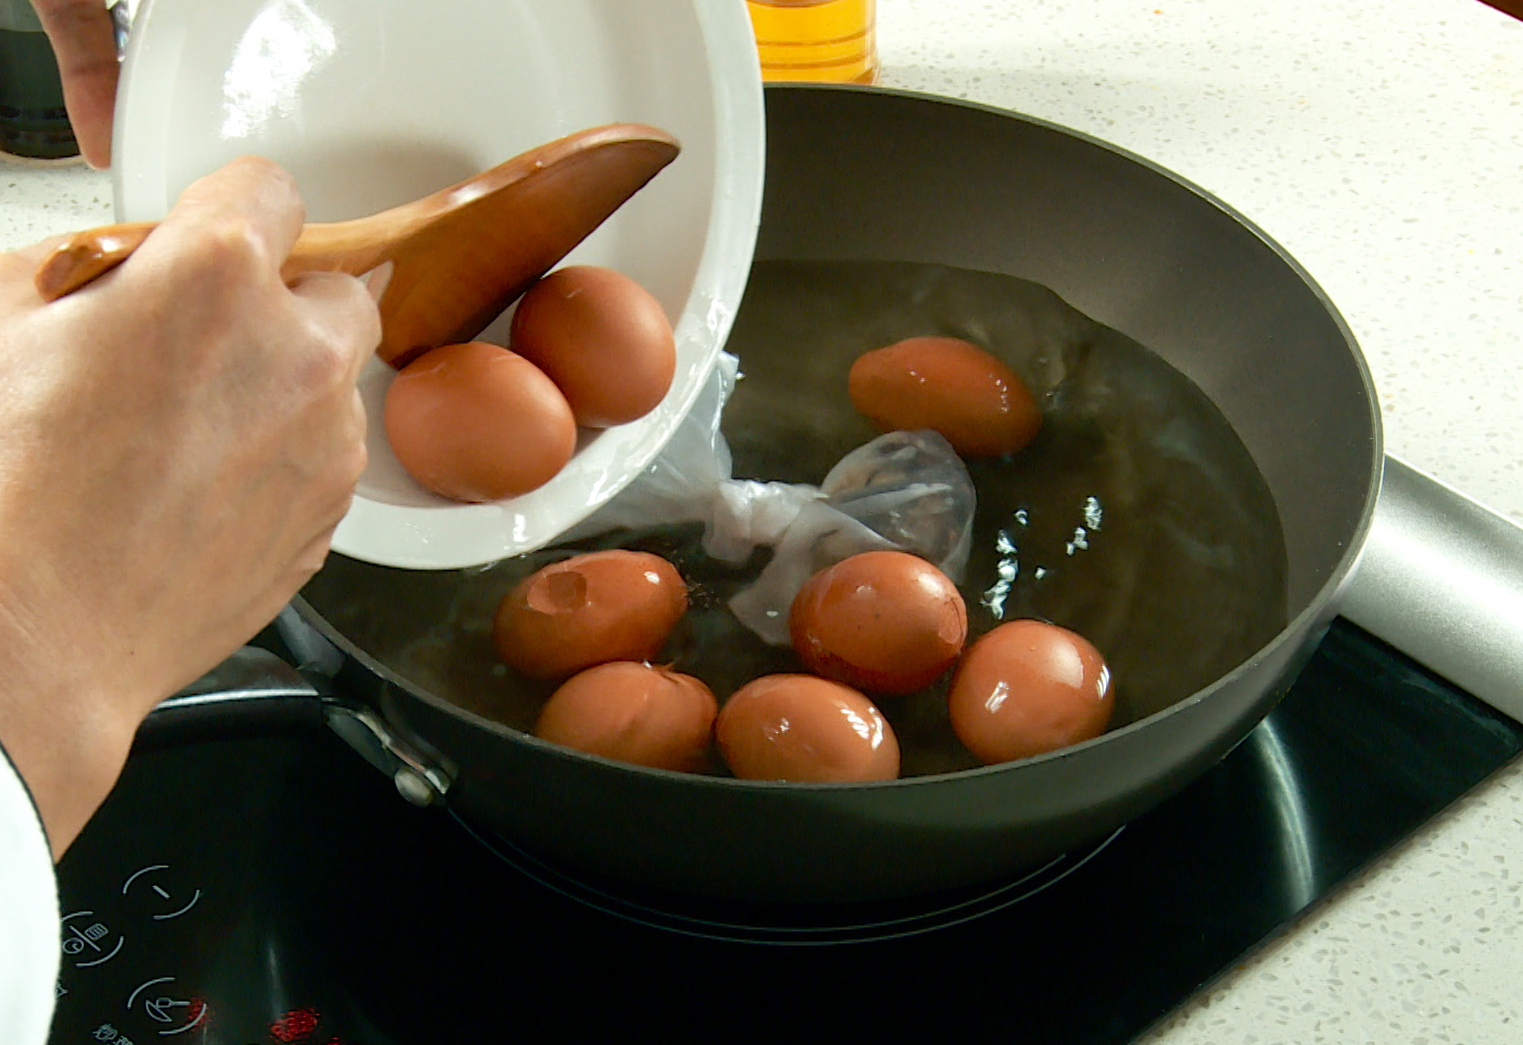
(69, 749)
(67, 720)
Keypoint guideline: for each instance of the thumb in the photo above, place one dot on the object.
(84, 43)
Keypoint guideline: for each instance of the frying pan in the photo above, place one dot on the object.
(858, 173)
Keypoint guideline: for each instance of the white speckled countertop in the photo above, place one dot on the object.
(1381, 142)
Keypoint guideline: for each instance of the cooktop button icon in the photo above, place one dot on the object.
(154, 885)
(89, 940)
(170, 1012)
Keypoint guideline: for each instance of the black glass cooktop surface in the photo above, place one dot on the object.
(265, 885)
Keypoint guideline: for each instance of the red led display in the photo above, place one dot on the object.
(294, 1026)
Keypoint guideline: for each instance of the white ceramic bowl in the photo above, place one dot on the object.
(371, 103)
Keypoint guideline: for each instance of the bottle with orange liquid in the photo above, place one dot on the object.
(818, 40)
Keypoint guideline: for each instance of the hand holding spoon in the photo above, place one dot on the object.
(459, 256)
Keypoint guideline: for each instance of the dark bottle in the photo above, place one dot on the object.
(32, 118)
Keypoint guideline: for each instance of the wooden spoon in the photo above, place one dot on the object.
(461, 255)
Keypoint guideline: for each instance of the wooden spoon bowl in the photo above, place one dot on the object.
(459, 256)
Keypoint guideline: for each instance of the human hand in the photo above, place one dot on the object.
(177, 442)
(84, 44)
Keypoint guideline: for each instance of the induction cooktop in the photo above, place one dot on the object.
(255, 881)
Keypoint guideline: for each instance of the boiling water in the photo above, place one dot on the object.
(1136, 517)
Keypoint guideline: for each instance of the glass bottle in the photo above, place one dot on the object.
(816, 40)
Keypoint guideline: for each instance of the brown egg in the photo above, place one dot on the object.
(475, 422)
(634, 713)
(805, 729)
(1026, 688)
(950, 386)
(885, 621)
(602, 338)
(588, 609)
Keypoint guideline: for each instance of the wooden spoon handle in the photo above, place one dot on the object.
(86, 256)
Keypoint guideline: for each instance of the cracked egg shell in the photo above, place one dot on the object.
(805, 729)
(1029, 687)
(886, 622)
(587, 610)
(635, 713)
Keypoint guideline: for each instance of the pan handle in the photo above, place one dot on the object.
(254, 691)
(418, 779)
(421, 777)
(251, 691)
(1441, 579)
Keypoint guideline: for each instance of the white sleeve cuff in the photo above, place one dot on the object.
(29, 920)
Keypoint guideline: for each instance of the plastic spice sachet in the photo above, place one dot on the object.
(903, 490)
